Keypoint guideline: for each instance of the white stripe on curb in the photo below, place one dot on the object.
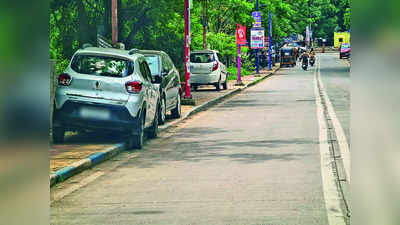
(331, 193)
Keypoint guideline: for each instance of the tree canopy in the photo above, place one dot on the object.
(159, 24)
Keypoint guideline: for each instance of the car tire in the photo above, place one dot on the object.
(162, 112)
(153, 130)
(58, 134)
(225, 84)
(136, 141)
(176, 112)
(218, 84)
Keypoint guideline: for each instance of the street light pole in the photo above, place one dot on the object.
(269, 40)
(187, 51)
(204, 22)
(257, 58)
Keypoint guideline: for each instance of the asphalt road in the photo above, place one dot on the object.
(335, 74)
(253, 159)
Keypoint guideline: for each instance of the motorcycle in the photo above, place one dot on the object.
(304, 65)
(312, 60)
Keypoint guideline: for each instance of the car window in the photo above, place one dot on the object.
(147, 69)
(345, 46)
(169, 62)
(143, 71)
(154, 64)
(202, 57)
(164, 62)
(102, 65)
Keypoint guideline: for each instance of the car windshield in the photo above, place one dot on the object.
(102, 65)
(154, 64)
(202, 57)
(345, 46)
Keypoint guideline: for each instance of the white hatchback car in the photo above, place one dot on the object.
(207, 67)
(106, 89)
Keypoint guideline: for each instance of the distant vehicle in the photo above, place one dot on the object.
(344, 50)
(107, 90)
(165, 73)
(208, 67)
(288, 57)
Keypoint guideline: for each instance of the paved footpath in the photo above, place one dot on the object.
(253, 159)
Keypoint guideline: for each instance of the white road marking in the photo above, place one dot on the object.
(331, 193)
(341, 137)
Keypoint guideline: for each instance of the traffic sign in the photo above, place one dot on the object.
(257, 18)
(240, 34)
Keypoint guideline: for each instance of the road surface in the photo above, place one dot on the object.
(253, 159)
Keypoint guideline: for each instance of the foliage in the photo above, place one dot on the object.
(159, 24)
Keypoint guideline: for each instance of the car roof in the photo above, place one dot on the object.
(151, 52)
(109, 51)
(205, 51)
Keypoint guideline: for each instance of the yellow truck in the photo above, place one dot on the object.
(340, 38)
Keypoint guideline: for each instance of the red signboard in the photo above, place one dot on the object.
(240, 34)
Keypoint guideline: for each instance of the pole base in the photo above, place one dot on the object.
(188, 101)
(239, 83)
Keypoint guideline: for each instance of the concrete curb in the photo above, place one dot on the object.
(99, 157)
(84, 164)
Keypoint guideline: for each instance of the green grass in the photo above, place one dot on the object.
(232, 72)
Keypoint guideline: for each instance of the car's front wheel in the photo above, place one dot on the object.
(218, 84)
(58, 134)
(162, 111)
(153, 130)
(225, 84)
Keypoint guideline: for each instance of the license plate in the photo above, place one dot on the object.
(94, 113)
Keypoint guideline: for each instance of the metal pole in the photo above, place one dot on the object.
(239, 62)
(257, 58)
(114, 13)
(269, 40)
(204, 22)
(187, 51)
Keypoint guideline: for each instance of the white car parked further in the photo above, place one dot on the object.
(107, 90)
(207, 67)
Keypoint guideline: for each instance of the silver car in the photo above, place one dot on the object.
(207, 67)
(106, 89)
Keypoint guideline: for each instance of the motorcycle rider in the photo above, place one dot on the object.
(312, 55)
(304, 58)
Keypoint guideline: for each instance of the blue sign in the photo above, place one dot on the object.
(257, 17)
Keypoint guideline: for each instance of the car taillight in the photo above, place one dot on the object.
(215, 66)
(133, 86)
(64, 79)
